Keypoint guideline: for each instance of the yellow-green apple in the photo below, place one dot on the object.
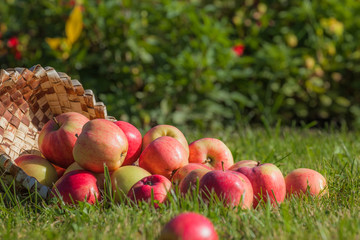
(134, 138)
(182, 172)
(100, 143)
(242, 163)
(58, 136)
(163, 156)
(190, 180)
(211, 152)
(165, 130)
(77, 186)
(231, 188)
(154, 185)
(190, 226)
(38, 167)
(124, 178)
(267, 181)
(303, 180)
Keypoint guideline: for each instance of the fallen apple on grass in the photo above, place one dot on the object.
(163, 156)
(134, 138)
(211, 152)
(305, 181)
(229, 187)
(154, 187)
(185, 170)
(165, 130)
(77, 186)
(38, 167)
(191, 179)
(100, 142)
(189, 226)
(58, 136)
(267, 181)
(124, 178)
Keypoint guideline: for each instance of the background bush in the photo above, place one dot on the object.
(182, 62)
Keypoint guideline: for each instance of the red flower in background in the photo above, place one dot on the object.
(239, 49)
(13, 42)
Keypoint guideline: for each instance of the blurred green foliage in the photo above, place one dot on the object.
(173, 61)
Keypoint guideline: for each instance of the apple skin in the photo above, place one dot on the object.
(61, 136)
(38, 167)
(211, 152)
(79, 184)
(100, 142)
(190, 180)
(134, 138)
(231, 188)
(99, 176)
(185, 170)
(165, 130)
(298, 181)
(141, 191)
(124, 178)
(59, 170)
(243, 163)
(267, 182)
(189, 226)
(163, 156)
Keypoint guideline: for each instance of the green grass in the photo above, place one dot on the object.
(335, 154)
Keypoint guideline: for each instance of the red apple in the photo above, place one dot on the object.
(190, 180)
(99, 176)
(163, 156)
(58, 136)
(231, 188)
(304, 180)
(134, 139)
(100, 143)
(156, 185)
(189, 226)
(212, 152)
(165, 130)
(243, 163)
(267, 182)
(182, 172)
(38, 167)
(75, 186)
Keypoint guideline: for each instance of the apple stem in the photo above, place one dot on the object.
(222, 166)
(258, 163)
(56, 121)
(76, 135)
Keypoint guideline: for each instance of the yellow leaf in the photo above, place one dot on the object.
(54, 43)
(74, 25)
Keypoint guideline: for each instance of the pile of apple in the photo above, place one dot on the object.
(75, 150)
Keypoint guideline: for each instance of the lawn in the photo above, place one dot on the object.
(334, 153)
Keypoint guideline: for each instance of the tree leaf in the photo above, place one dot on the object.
(74, 25)
(54, 43)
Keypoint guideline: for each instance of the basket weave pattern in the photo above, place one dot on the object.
(28, 99)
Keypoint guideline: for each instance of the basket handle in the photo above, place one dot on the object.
(23, 182)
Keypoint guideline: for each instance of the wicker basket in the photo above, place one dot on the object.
(28, 99)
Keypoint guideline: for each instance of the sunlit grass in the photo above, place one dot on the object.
(335, 154)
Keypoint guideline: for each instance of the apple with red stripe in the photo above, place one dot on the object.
(189, 226)
(134, 138)
(267, 181)
(211, 152)
(58, 136)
